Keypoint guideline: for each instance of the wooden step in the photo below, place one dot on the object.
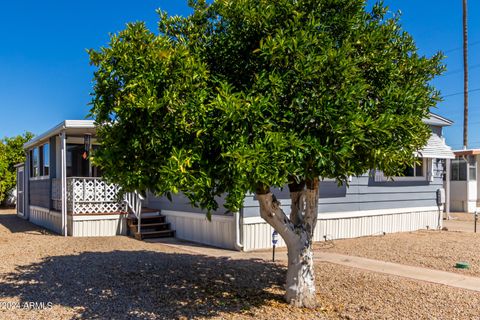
(150, 227)
(154, 234)
(143, 222)
(155, 224)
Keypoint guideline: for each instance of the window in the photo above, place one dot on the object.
(35, 162)
(415, 171)
(472, 168)
(40, 161)
(459, 169)
(46, 160)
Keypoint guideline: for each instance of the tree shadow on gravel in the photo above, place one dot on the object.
(146, 284)
(16, 224)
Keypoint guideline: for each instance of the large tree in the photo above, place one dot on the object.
(242, 96)
(11, 153)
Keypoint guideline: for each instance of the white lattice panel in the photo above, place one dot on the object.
(57, 194)
(99, 207)
(93, 195)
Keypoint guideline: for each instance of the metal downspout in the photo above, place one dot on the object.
(238, 230)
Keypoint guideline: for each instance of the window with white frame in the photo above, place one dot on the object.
(458, 169)
(40, 161)
(45, 169)
(414, 171)
(411, 173)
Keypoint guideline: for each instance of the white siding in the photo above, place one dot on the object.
(80, 226)
(43, 217)
(458, 196)
(258, 235)
(220, 232)
(97, 225)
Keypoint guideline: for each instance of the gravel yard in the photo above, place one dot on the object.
(122, 278)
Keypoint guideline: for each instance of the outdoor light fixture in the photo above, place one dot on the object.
(86, 142)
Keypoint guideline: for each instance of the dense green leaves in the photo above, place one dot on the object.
(11, 153)
(254, 93)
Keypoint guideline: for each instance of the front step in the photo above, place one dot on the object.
(152, 225)
(155, 234)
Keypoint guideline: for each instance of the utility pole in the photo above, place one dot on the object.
(465, 75)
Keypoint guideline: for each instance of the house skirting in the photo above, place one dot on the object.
(93, 225)
(220, 232)
(46, 218)
(257, 234)
(80, 225)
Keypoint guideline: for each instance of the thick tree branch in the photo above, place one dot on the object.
(311, 206)
(273, 214)
(297, 198)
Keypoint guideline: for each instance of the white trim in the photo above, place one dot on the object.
(46, 210)
(55, 213)
(39, 178)
(79, 140)
(353, 214)
(198, 216)
(63, 177)
(437, 120)
(407, 178)
(92, 217)
(67, 124)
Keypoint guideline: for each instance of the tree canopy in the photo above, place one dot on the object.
(11, 153)
(248, 94)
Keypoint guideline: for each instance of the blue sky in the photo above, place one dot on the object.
(45, 76)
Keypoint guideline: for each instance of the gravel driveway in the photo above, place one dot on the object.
(122, 278)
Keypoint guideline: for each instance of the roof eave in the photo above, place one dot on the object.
(66, 124)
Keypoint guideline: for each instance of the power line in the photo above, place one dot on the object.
(460, 48)
(458, 93)
(460, 70)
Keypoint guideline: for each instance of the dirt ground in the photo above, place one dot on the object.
(462, 222)
(122, 278)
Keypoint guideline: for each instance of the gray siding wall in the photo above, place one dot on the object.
(437, 130)
(363, 193)
(40, 193)
(181, 203)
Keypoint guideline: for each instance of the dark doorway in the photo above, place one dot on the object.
(77, 166)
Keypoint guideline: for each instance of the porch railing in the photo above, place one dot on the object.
(93, 195)
(57, 194)
(133, 201)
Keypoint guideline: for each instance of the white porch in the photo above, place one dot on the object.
(88, 195)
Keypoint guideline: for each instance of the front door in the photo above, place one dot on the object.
(20, 191)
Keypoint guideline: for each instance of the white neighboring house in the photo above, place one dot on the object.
(11, 198)
(465, 185)
(59, 189)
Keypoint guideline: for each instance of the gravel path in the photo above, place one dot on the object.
(122, 278)
(430, 249)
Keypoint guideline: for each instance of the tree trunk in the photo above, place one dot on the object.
(311, 206)
(300, 284)
(297, 200)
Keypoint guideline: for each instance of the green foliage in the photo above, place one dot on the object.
(249, 94)
(11, 153)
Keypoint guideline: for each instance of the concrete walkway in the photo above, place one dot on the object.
(429, 275)
(416, 273)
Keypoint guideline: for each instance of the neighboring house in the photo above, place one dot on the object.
(465, 188)
(64, 193)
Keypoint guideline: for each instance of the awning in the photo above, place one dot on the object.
(436, 148)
